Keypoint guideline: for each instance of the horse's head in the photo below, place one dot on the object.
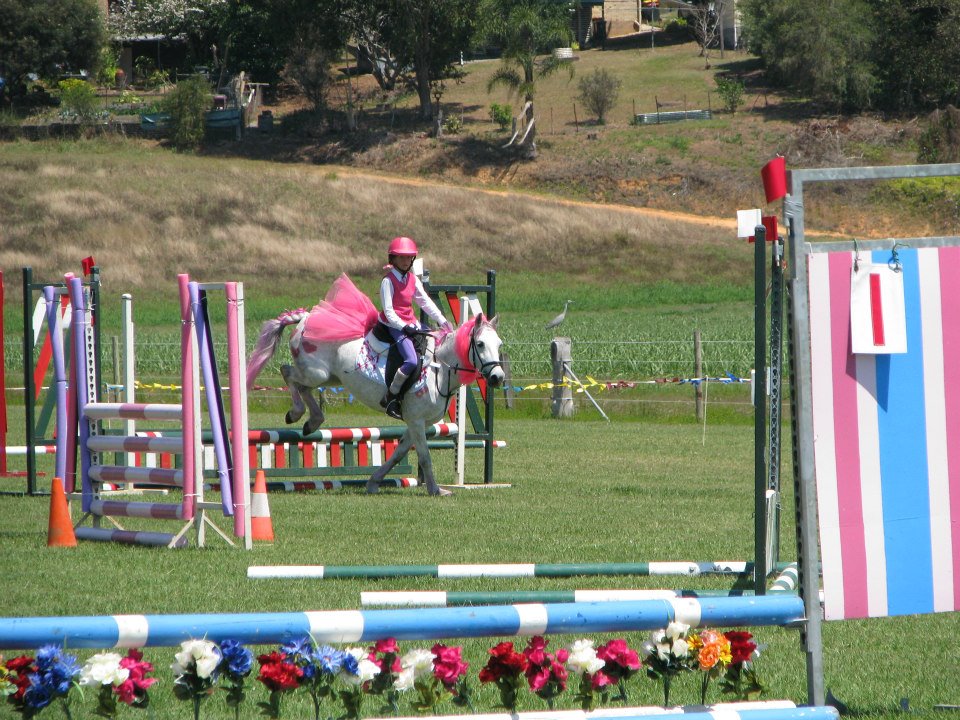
(484, 350)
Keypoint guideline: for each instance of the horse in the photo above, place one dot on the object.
(334, 356)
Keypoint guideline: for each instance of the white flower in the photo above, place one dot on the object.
(200, 654)
(583, 658)
(677, 630)
(420, 661)
(366, 668)
(680, 648)
(663, 651)
(405, 679)
(103, 669)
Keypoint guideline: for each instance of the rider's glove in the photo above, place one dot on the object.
(410, 330)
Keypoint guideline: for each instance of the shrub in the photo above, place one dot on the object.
(730, 92)
(78, 100)
(452, 124)
(940, 142)
(598, 92)
(502, 115)
(187, 105)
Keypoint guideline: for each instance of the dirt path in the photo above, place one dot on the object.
(669, 215)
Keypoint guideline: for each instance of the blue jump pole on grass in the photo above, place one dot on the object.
(349, 626)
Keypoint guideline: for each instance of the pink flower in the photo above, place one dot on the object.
(448, 665)
(601, 680)
(133, 690)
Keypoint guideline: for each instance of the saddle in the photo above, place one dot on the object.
(395, 360)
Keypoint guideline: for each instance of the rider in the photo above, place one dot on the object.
(399, 289)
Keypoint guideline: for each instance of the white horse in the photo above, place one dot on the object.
(452, 358)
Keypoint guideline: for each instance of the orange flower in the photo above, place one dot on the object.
(709, 656)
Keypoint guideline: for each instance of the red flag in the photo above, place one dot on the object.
(774, 175)
(770, 224)
(88, 264)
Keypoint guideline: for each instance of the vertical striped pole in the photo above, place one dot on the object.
(55, 330)
(188, 399)
(80, 362)
(129, 368)
(236, 349)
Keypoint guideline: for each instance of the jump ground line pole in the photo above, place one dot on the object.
(759, 409)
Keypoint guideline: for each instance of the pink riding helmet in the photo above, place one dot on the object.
(402, 246)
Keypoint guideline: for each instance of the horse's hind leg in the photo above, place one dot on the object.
(316, 409)
(297, 409)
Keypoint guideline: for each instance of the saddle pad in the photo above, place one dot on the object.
(372, 363)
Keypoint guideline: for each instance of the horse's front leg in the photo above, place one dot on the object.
(297, 408)
(418, 434)
(373, 484)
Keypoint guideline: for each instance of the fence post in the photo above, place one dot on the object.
(560, 356)
(698, 374)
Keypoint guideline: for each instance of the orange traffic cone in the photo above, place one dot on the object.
(60, 532)
(261, 526)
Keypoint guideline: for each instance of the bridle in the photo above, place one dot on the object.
(473, 356)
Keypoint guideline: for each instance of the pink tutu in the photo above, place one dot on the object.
(344, 314)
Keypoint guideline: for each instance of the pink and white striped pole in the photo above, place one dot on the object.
(238, 411)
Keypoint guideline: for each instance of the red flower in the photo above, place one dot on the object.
(545, 673)
(448, 665)
(23, 667)
(741, 646)
(278, 674)
(504, 662)
(386, 646)
(601, 680)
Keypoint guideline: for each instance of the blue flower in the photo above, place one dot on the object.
(38, 693)
(237, 660)
(329, 660)
(350, 664)
(298, 649)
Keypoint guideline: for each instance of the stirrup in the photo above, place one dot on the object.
(394, 409)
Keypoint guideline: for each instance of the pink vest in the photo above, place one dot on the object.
(402, 298)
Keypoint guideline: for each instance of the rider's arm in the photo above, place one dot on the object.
(386, 302)
(429, 306)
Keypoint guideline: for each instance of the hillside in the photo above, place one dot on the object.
(707, 167)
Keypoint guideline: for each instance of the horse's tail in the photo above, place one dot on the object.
(270, 333)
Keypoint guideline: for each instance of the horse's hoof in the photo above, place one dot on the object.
(373, 488)
(289, 418)
(441, 492)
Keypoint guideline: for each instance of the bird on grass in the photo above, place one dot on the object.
(558, 320)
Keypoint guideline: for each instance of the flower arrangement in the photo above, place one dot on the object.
(740, 679)
(546, 673)
(666, 655)
(236, 662)
(31, 684)
(434, 674)
(505, 667)
(711, 649)
(195, 670)
(387, 683)
(118, 678)
(583, 662)
(320, 666)
(620, 663)
(357, 670)
(279, 674)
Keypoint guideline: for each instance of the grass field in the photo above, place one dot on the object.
(581, 491)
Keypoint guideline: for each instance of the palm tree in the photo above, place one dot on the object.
(524, 29)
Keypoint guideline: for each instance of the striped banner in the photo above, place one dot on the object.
(760, 710)
(364, 626)
(444, 598)
(887, 442)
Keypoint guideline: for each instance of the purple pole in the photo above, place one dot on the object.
(59, 377)
(80, 363)
(187, 381)
(213, 399)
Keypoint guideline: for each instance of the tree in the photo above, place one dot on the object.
(704, 21)
(598, 92)
(47, 37)
(819, 47)
(524, 30)
(918, 58)
(425, 35)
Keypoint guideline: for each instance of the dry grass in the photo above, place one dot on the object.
(147, 215)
